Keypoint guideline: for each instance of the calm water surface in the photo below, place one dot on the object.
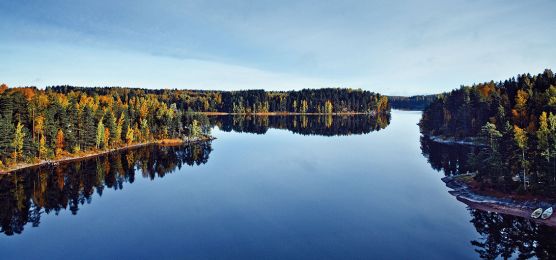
(271, 188)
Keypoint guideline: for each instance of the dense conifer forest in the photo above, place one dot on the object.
(513, 120)
(325, 101)
(65, 121)
(419, 102)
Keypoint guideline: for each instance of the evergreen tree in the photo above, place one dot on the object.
(119, 130)
(59, 142)
(111, 125)
(7, 131)
(89, 129)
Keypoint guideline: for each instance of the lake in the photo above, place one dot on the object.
(309, 187)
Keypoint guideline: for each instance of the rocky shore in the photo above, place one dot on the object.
(508, 206)
(451, 140)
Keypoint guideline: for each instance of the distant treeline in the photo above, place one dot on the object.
(514, 119)
(419, 102)
(326, 100)
(64, 120)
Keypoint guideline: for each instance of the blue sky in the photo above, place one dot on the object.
(392, 47)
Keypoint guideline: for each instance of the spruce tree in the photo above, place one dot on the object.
(88, 129)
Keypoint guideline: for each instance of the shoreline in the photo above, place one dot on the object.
(169, 142)
(453, 141)
(509, 206)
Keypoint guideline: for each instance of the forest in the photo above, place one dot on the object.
(419, 102)
(321, 101)
(514, 124)
(66, 121)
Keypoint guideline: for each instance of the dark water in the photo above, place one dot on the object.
(268, 187)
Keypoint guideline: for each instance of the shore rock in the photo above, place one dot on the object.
(508, 206)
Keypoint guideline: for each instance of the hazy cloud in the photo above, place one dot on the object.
(395, 47)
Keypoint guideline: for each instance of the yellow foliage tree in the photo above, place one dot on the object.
(59, 142)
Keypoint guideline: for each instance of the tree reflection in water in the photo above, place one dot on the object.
(27, 194)
(452, 159)
(504, 236)
(324, 125)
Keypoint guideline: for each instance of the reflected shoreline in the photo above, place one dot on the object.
(321, 125)
(504, 225)
(29, 193)
(453, 158)
(55, 162)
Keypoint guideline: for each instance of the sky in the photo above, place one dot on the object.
(391, 47)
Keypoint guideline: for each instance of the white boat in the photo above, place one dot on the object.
(547, 213)
(537, 213)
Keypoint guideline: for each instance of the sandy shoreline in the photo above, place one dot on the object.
(99, 153)
(508, 206)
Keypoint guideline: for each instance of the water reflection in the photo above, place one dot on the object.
(501, 236)
(504, 236)
(323, 125)
(452, 159)
(29, 193)
(26, 195)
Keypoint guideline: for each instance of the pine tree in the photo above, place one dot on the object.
(73, 132)
(50, 128)
(543, 134)
(89, 129)
(552, 140)
(125, 126)
(111, 125)
(59, 142)
(520, 138)
(119, 129)
(491, 135)
(6, 137)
